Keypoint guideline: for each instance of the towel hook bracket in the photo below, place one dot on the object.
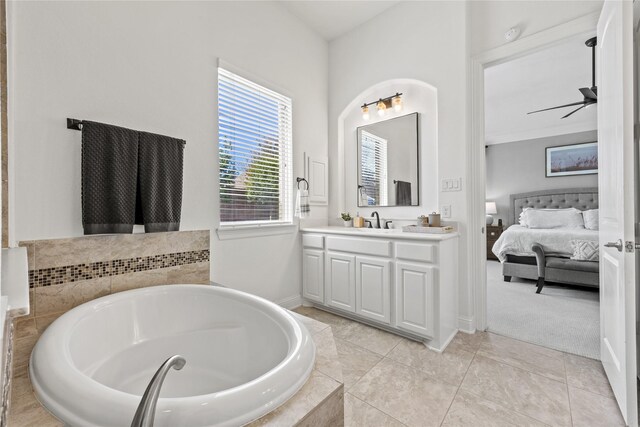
(299, 180)
(74, 124)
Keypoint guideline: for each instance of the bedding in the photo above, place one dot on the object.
(517, 240)
(585, 250)
(552, 218)
(591, 219)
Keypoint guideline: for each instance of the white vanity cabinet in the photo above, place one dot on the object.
(401, 282)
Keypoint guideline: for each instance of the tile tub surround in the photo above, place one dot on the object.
(479, 380)
(319, 402)
(65, 273)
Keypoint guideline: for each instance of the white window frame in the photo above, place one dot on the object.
(380, 153)
(284, 224)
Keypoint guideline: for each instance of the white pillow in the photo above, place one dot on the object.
(585, 250)
(590, 219)
(553, 218)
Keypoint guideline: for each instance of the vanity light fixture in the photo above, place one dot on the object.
(382, 104)
(365, 112)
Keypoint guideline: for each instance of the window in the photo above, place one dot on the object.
(254, 142)
(374, 189)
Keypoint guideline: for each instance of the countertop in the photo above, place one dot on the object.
(394, 233)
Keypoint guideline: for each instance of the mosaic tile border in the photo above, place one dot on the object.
(96, 270)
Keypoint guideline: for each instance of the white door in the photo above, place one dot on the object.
(616, 180)
(414, 298)
(373, 288)
(313, 275)
(341, 281)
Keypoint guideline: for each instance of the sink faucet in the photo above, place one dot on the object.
(377, 215)
(147, 409)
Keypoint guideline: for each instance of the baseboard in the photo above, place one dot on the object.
(290, 303)
(467, 324)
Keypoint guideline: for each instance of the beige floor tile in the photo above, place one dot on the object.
(329, 413)
(355, 360)
(467, 342)
(470, 410)
(327, 360)
(450, 365)
(519, 390)
(407, 394)
(360, 414)
(313, 326)
(315, 390)
(593, 410)
(533, 358)
(373, 339)
(323, 316)
(587, 374)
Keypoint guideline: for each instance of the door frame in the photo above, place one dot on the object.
(477, 252)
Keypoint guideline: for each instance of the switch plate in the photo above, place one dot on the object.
(445, 210)
(452, 184)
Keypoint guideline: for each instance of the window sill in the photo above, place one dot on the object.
(249, 231)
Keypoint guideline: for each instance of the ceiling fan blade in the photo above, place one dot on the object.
(559, 106)
(579, 108)
(588, 93)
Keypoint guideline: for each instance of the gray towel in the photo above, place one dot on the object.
(403, 193)
(160, 182)
(109, 172)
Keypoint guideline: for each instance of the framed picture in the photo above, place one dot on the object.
(576, 159)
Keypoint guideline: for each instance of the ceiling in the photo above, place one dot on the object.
(331, 19)
(543, 79)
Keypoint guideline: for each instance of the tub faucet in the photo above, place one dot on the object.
(147, 409)
(377, 215)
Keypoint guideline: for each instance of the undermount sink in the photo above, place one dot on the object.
(378, 230)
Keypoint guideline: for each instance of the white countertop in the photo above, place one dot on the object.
(394, 233)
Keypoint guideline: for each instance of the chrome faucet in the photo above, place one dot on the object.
(147, 409)
(377, 215)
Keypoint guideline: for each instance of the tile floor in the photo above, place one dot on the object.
(480, 380)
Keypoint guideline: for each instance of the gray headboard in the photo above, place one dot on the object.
(579, 198)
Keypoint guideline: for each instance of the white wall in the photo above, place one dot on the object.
(412, 40)
(152, 66)
(489, 20)
(519, 167)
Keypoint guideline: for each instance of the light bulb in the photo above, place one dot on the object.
(397, 103)
(365, 112)
(381, 108)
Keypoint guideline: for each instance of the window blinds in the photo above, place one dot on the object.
(254, 143)
(374, 169)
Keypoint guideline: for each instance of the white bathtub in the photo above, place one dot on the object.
(245, 357)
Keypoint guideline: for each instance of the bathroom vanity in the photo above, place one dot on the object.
(402, 282)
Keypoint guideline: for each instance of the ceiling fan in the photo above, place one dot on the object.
(590, 94)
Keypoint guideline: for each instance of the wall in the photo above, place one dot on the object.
(518, 167)
(489, 20)
(152, 66)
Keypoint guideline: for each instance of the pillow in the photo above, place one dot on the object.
(590, 219)
(552, 218)
(585, 250)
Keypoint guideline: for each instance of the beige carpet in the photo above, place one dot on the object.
(564, 318)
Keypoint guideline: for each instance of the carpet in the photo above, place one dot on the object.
(564, 318)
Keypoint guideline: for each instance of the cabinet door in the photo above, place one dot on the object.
(340, 281)
(414, 298)
(372, 288)
(313, 275)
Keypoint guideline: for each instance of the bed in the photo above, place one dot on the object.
(536, 254)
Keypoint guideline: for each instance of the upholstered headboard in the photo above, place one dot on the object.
(579, 198)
